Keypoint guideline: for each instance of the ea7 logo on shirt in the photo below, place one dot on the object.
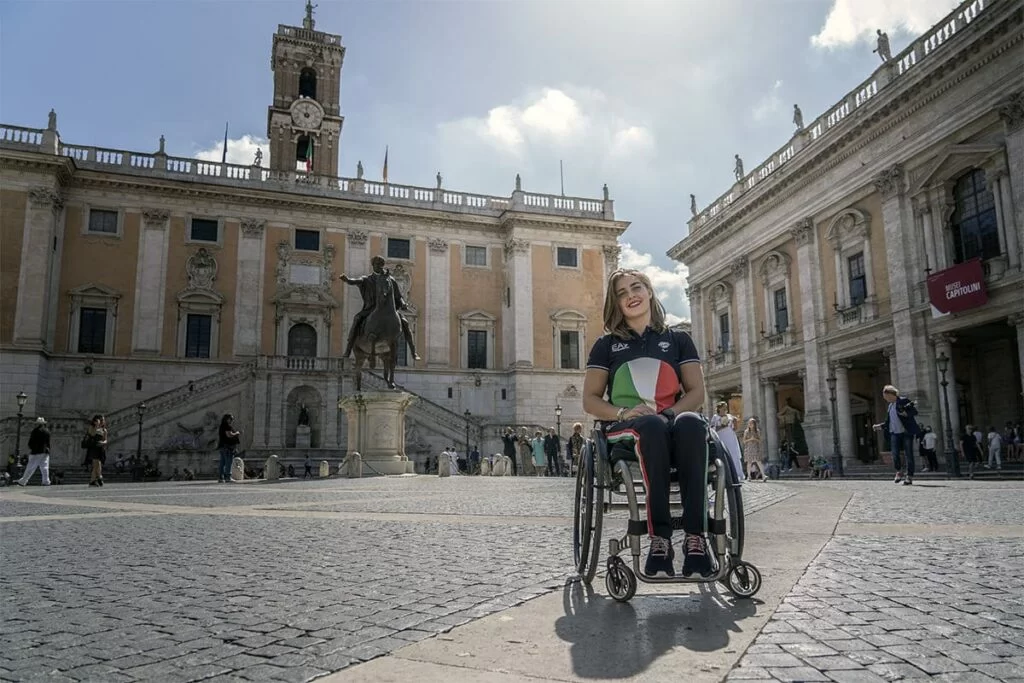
(619, 347)
(663, 346)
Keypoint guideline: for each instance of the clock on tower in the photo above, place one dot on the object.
(304, 122)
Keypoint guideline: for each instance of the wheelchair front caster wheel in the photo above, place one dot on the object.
(744, 580)
(620, 581)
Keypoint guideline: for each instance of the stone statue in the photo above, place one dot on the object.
(51, 121)
(303, 415)
(693, 205)
(376, 328)
(309, 22)
(258, 161)
(738, 170)
(798, 117)
(604, 191)
(439, 179)
(162, 144)
(359, 170)
(519, 183)
(788, 417)
(883, 49)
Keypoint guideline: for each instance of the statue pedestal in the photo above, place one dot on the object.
(376, 429)
(302, 436)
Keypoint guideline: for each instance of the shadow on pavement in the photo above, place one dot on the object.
(613, 640)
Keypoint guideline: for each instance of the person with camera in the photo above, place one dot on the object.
(901, 424)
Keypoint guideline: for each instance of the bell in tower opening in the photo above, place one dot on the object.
(304, 122)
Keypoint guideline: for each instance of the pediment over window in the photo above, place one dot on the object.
(952, 162)
(478, 316)
(720, 292)
(774, 265)
(568, 315)
(849, 225)
(200, 297)
(305, 295)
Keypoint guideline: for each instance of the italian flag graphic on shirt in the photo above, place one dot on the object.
(645, 380)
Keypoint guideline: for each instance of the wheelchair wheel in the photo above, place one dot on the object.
(620, 580)
(587, 516)
(743, 580)
(733, 503)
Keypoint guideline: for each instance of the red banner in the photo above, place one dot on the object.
(957, 289)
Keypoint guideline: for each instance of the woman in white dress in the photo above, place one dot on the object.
(725, 424)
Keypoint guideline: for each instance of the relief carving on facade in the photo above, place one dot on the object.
(516, 246)
(1011, 111)
(201, 268)
(803, 232)
(739, 267)
(357, 238)
(611, 256)
(437, 245)
(155, 218)
(44, 197)
(890, 181)
(774, 263)
(253, 227)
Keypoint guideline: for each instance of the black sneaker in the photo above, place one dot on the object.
(99, 482)
(898, 478)
(659, 558)
(907, 482)
(697, 561)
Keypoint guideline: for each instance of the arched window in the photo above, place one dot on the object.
(302, 341)
(307, 83)
(974, 219)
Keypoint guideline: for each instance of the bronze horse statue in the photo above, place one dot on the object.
(379, 334)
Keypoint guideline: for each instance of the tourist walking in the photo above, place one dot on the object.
(753, 451)
(576, 445)
(902, 428)
(508, 445)
(38, 454)
(929, 440)
(552, 446)
(308, 463)
(228, 439)
(970, 450)
(525, 450)
(538, 453)
(725, 424)
(995, 447)
(95, 443)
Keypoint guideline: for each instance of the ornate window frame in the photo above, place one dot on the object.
(93, 296)
(850, 233)
(87, 210)
(476, 319)
(199, 302)
(720, 298)
(568, 320)
(775, 271)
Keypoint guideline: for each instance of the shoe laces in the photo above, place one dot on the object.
(659, 546)
(694, 545)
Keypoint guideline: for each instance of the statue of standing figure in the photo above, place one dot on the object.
(883, 49)
(738, 170)
(798, 117)
(693, 205)
(359, 170)
(439, 180)
(258, 161)
(303, 415)
(51, 120)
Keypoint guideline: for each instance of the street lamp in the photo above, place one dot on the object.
(138, 448)
(22, 398)
(558, 421)
(468, 415)
(837, 458)
(952, 460)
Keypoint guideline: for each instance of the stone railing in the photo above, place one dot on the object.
(122, 420)
(810, 137)
(308, 34)
(357, 189)
(301, 364)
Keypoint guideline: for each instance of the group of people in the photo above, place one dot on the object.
(543, 453)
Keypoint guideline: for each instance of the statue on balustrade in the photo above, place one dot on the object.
(439, 179)
(798, 117)
(51, 120)
(883, 49)
(378, 326)
(738, 170)
(359, 170)
(258, 161)
(693, 204)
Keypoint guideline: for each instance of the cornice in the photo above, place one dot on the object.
(870, 124)
(61, 167)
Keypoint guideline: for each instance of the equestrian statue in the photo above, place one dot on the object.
(378, 326)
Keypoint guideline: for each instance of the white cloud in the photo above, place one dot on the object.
(669, 285)
(852, 21)
(240, 151)
(769, 106)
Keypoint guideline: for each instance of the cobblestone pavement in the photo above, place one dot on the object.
(896, 608)
(214, 582)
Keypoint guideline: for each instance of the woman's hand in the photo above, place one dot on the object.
(638, 411)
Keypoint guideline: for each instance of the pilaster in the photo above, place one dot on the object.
(35, 298)
(943, 344)
(744, 328)
(519, 280)
(847, 445)
(771, 421)
(249, 287)
(816, 425)
(357, 264)
(438, 317)
(151, 283)
(1012, 113)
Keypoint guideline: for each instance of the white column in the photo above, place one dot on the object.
(847, 447)
(438, 317)
(771, 419)
(745, 334)
(944, 346)
(151, 282)
(32, 314)
(357, 264)
(992, 180)
(1004, 200)
(869, 281)
(249, 288)
(697, 321)
(1012, 113)
(816, 415)
(840, 281)
(520, 283)
(924, 211)
(1017, 321)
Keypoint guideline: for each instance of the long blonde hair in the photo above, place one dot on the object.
(614, 321)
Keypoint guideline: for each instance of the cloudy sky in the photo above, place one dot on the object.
(652, 97)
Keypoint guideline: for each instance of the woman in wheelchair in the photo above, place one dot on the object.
(644, 382)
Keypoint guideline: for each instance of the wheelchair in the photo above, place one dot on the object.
(604, 476)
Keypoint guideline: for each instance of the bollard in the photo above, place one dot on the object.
(353, 465)
(271, 469)
(325, 469)
(237, 470)
(485, 467)
(508, 465)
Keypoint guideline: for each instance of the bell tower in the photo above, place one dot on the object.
(304, 122)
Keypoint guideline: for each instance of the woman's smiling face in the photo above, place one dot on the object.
(633, 296)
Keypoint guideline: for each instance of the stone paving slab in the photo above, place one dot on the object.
(883, 609)
(992, 503)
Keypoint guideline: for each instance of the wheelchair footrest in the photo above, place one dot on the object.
(637, 527)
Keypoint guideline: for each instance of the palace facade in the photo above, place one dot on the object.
(199, 288)
(884, 236)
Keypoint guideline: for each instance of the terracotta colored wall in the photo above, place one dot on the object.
(12, 226)
(556, 289)
(472, 289)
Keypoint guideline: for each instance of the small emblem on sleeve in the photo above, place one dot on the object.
(619, 346)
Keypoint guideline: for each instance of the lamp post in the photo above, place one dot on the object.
(837, 458)
(468, 415)
(952, 459)
(139, 471)
(22, 398)
(558, 421)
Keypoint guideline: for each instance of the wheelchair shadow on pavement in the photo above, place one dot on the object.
(620, 640)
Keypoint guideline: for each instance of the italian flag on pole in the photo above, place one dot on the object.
(309, 156)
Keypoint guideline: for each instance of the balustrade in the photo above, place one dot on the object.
(21, 136)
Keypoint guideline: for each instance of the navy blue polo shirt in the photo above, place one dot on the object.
(644, 368)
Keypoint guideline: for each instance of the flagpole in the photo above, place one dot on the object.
(224, 153)
(385, 174)
(561, 176)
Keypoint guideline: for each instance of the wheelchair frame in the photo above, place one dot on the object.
(598, 472)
